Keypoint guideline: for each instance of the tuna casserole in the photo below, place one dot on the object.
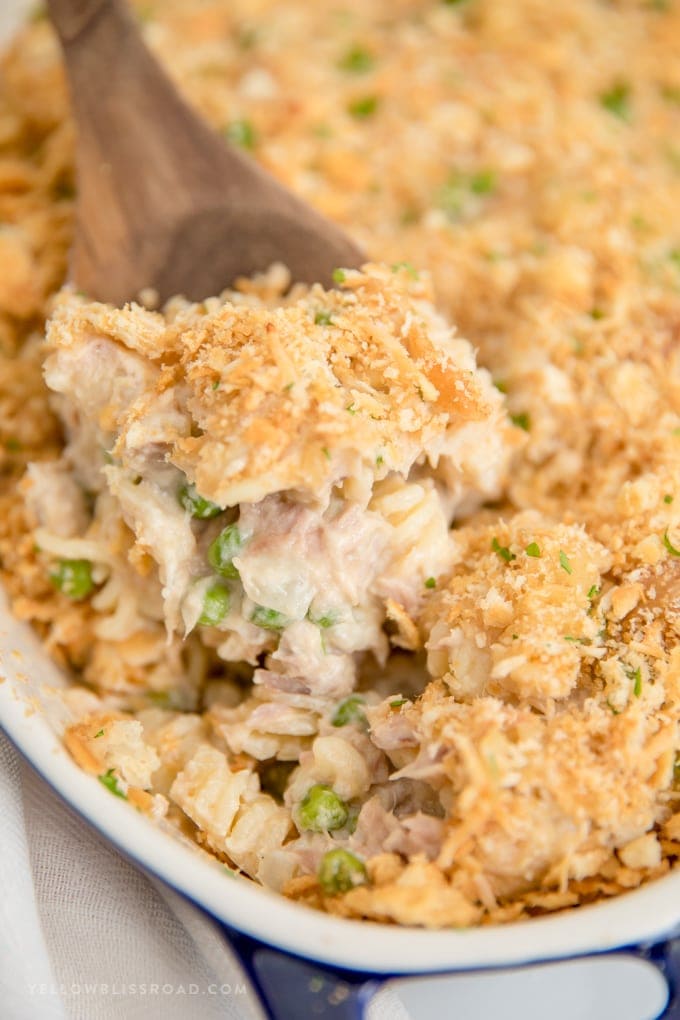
(374, 593)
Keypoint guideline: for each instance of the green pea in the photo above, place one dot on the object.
(73, 578)
(349, 711)
(321, 810)
(221, 552)
(340, 871)
(197, 506)
(215, 604)
(268, 619)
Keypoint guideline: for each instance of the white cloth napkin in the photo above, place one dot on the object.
(86, 935)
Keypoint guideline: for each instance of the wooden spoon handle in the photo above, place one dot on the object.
(139, 145)
(107, 63)
(72, 18)
(162, 200)
(137, 138)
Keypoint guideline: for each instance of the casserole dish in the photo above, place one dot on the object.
(613, 959)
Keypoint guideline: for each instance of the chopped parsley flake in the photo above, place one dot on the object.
(13, 446)
(407, 267)
(324, 621)
(339, 275)
(288, 387)
(593, 591)
(242, 133)
(669, 545)
(636, 676)
(597, 314)
(668, 498)
(100, 734)
(323, 318)
(398, 702)
(564, 562)
(522, 420)
(216, 384)
(351, 408)
(326, 452)
(500, 385)
(616, 100)
(357, 60)
(637, 683)
(453, 197)
(379, 460)
(431, 583)
(502, 551)
(483, 182)
(363, 107)
(109, 780)
(533, 549)
(350, 710)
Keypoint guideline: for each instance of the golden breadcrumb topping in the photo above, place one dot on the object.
(298, 395)
(517, 618)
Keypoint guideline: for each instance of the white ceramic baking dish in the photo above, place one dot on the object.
(612, 961)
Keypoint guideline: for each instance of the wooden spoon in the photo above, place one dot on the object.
(162, 201)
